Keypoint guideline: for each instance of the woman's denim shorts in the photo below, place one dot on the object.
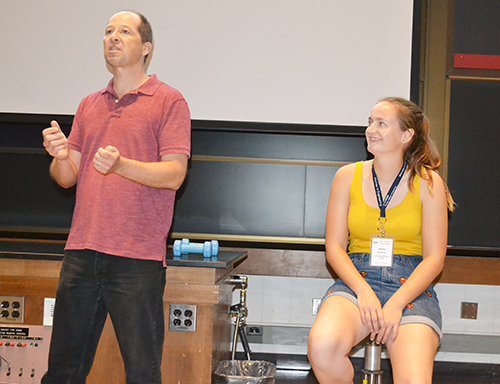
(386, 281)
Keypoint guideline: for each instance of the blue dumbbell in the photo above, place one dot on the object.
(208, 248)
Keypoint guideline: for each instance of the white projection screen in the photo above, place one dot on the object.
(288, 61)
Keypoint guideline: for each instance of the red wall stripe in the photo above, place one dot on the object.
(462, 60)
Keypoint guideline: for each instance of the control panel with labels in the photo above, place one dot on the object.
(23, 353)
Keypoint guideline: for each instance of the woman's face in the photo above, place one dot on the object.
(383, 134)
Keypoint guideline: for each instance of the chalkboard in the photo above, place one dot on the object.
(476, 27)
(281, 191)
(252, 182)
(474, 163)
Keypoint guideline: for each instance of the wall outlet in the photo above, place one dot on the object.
(315, 306)
(254, 333)
(182, 318)
(12, 309)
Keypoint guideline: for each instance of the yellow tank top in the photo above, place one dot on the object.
(404, 221)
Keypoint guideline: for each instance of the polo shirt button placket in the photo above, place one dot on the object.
(118, 109)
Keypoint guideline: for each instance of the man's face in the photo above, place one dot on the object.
(123, 46)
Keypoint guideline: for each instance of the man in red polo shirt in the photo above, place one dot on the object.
(127, 153)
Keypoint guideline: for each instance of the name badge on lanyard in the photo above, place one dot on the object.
(381, 251)
(382, 245)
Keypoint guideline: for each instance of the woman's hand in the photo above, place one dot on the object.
(392, 316)
(370, 311)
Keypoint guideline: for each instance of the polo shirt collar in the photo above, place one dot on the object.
(148, 88)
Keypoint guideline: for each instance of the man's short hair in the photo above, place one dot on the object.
(145, 30)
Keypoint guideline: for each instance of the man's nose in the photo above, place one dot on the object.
(113, 36)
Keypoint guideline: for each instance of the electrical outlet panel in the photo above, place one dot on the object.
(12, 309)
(254, 333)
(182, 318)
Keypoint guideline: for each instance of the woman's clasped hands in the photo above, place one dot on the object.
(382, 322)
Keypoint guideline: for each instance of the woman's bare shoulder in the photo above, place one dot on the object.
(343, 177)
(346, 172)
(436, 190)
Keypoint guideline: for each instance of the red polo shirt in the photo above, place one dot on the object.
(112, 214)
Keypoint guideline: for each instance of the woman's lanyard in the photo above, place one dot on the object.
(383, 203)
(381, 247)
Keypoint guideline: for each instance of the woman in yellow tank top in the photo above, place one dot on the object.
(386, 238)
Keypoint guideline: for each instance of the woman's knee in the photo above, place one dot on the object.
(336, 330)
(328, 355)
(327, 346)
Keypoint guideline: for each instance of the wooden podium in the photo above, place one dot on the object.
(188, 357)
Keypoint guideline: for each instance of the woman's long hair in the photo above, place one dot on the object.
(421, 153)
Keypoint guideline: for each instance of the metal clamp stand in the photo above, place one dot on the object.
(373, 355)
(240, 311)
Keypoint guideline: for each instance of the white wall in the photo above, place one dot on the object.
(298, 61)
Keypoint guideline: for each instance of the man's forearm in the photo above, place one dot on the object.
(64, 172)
(162, 174)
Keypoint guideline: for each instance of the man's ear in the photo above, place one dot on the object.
(146, 49)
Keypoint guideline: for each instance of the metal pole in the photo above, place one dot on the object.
(373, 357)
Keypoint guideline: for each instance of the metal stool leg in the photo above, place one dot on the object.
(372, 371)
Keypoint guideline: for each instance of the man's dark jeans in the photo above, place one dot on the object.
(91, 285)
